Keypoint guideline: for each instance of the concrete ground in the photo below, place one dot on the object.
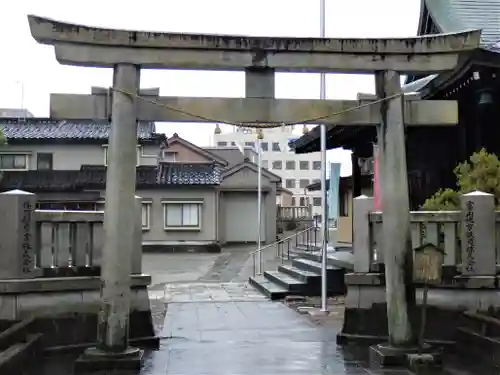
(211, 322)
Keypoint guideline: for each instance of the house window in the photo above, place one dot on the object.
(146, 216)
(293, 201)
(277, 164)
(316, 165)
(221, 144)
(290, 165)
(249, 144)
(182, 215)
(265, 164)
(302, 201)
(233, 143)
(303, 183)
(290, 184)
(317, 201)
(44, 161)
(304, 165)
(169, 156)
(316, 181)
(106, 155)
(276, 147)
(17, 162)
(264, 146)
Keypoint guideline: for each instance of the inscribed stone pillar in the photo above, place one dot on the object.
(396, 239)
(17, 234)
(478, 234)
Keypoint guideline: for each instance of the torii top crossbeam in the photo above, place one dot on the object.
(101, 47)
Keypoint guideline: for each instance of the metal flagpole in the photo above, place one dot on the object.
(260, 259)
(324, 218)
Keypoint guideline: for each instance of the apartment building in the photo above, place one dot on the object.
(296, 171)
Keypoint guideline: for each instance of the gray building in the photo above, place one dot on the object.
(15, 112)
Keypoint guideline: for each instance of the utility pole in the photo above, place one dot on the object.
(324, 210)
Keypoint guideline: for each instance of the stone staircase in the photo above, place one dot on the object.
(478, 338)
(302, 274)
(18, 346)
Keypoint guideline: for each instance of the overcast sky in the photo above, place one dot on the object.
(26, 64)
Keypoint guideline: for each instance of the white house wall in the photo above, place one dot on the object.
(157, 235)
(71, 157)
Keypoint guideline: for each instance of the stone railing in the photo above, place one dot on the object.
(468, 237)
(294, 213)
(66, 239)
(48, 243)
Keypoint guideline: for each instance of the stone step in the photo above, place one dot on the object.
(288, 282)
(310, 265)
(474, 345)
(340, 259)
(299, 274)
(271, 290)
(15, 333)
(15, 358)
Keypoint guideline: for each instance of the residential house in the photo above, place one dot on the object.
(237, 192)
(189, 194)
(234, 156)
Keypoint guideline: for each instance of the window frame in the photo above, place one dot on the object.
(303, 180)
(139, 154)
(301, 164)
(277, 161)
(294, 183)
(292, 164)
(313, 163)
(316, 199)
(278, 147)
(166, 152)
(147, 206)
(264, 146)
(198, 227)
(38, 154)
(14, 154)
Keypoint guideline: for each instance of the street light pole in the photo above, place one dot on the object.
(260, 258)
(324, 211)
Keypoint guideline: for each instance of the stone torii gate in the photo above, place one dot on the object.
(127, 52)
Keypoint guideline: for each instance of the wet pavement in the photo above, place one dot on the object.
(231, 329)
(226, 327)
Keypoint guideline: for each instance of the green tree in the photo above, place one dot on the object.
(482, 173)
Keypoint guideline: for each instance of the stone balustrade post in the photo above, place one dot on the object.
(362, 206)
(478, 234)
(17, 235)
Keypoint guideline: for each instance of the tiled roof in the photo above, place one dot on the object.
(458, 15)
(188, 174)
(49, 129)
(94, 177)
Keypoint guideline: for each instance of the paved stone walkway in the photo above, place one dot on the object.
(228, 328)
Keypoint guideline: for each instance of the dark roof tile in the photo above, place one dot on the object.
(94, 177)
(188, 174)
(49, 129)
